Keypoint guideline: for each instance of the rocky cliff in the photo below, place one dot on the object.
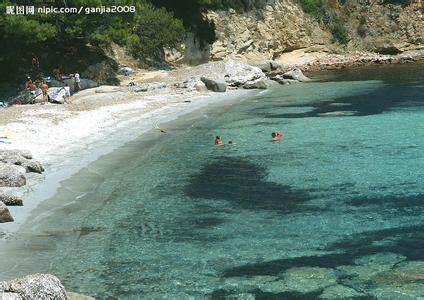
(281, 26)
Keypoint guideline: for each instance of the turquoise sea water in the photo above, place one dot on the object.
(335, 210)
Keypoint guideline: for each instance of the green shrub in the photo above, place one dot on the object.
(322, 11)
(339, 32)
(315, 8)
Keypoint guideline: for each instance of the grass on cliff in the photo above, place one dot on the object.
(322, 10)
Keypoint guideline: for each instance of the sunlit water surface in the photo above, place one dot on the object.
(335, 210)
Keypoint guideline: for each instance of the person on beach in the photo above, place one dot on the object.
(28, 83)
(67, 93)
(77, 82)
(277, 136)
(44, 90)
(57, 73)
(218, 140)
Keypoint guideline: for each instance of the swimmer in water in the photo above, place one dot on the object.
(218, 140)
(277, 136)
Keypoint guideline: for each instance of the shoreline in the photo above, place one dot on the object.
(117, 124)
(52, 132)
(312, 61)
(61, 161)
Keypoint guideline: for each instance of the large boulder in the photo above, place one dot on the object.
(10, 200)
(259, 84)
(36, 286)
(213, 85)
(12, 175)
(281, 80)
(5, 215)
(200, 87)
(17, 159)
(85, 84)
(295, 74)
(238, 73)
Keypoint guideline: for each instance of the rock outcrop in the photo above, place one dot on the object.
(36, 286)
(5, 215)
(382, 27)
(264, 34)
(213, 85)
(10, 200)
(295, 74)
(12, 175)
(260, 84)
(14, 164)
(238, 73)
(19, 160)
(278, 27)
(292, 76)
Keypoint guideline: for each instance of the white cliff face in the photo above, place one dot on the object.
(264, 34)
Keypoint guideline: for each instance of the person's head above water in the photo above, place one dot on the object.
(274, 134)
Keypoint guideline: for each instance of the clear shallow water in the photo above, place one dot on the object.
(333, 210)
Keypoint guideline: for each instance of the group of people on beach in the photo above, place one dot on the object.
(41, 83)
(276, 136)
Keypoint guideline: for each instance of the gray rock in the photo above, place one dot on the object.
(12, 175)
(296, 74)
(265, 67)
(29, 165)
(213, 85)
(10, 296)
(5, 215)
(260, 84)
(340, 292)
(276, 65)
(4, 286)
(188, 84)
(37, 286)
(303, 280)
(85, 84)
(385, 258)
(151, 86)
(200, 87)
(281, 80)
(126, 70)
(244, 296)
(238, 73)
(24, 153)
(10, 200)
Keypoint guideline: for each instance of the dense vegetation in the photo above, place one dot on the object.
(75, 41)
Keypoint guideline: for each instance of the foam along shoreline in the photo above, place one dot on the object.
(79, 138)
